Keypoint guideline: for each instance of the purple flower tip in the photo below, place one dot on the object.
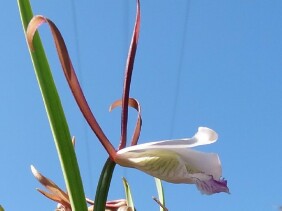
(212, 186)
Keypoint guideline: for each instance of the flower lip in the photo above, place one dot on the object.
(212, 186)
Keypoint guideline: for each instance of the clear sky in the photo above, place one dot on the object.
(199, 63)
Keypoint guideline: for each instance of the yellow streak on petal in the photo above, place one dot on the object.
(164, 164)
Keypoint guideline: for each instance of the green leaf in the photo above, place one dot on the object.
(104, 185)
(128, 195)
(1, 208)
(160, 193)
(55, 115)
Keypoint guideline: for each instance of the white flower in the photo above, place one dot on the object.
(173, 161)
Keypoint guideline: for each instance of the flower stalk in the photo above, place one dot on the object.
(71, 77)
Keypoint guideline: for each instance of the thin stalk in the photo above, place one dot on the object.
(128, 75)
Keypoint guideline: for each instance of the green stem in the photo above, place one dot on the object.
(104, 185)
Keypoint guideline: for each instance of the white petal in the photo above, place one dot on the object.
(207, 163)
(205, 136)
(202, 137)
(175, 166)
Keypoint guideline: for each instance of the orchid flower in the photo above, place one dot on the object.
(173, 161)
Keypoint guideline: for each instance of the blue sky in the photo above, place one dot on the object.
(199, 63)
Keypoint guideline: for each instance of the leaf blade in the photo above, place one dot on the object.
(55, 115)
(160, 191)
(128, 194)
